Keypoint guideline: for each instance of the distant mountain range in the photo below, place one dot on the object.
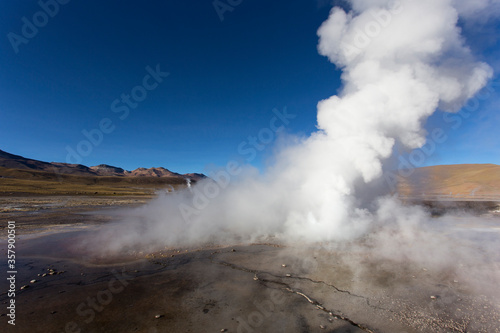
(23, 175)
(11, 161)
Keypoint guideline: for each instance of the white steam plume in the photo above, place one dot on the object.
(401, 60)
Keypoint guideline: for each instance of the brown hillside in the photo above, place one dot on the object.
(22, 176)
(462, 181)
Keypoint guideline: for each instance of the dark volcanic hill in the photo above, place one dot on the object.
(152, 172)
(11, 161)
(107, 170)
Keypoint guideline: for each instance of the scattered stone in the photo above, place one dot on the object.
(158, 316)
(255, 278)
(172, 256)
(223, 330)
(24, 287)
(433, 297)
(33, 281)
(45, 274)
(233, 250)
(322, 327)
(288, 275)
(283, 265)
(455, 281)
(331, 314)
(53, 312)
(330, 320)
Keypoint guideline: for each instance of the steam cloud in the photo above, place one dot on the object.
(401, 61)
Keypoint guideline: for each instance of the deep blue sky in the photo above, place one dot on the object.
(225, 79)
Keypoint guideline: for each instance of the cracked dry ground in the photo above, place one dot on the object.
(253, 288)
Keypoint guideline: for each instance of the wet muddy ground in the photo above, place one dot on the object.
(242, 288)
(34, 214)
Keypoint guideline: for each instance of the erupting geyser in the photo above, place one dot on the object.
(401, 61)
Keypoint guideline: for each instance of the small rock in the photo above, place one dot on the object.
(25, 287)
(288, 275)
(33, 281)
(44, 274)
(330, 320)
(255, 278)
(331, 314)
(233, 250)
(455, 281)
(223, 330)
(283, 265)
(158, 316)
(322, 327)
(433, 297)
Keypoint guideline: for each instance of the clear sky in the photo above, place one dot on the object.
(72, 73)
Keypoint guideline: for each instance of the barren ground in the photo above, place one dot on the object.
(242, 288)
